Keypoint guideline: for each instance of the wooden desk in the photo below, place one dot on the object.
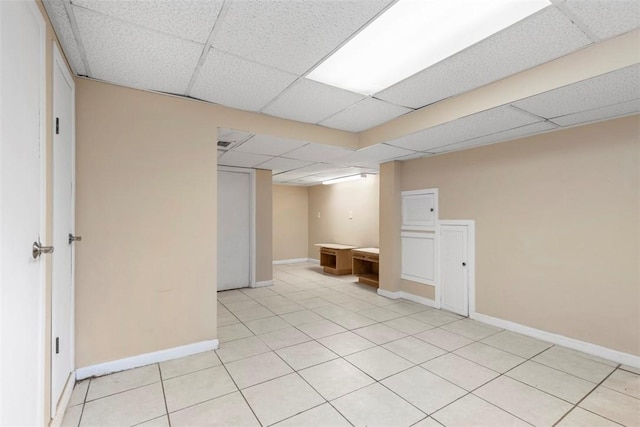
(335, 258)
(365, 265)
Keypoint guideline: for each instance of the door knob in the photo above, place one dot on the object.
(73, 238)
(38, 249)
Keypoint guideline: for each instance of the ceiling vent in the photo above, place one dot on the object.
(224, 144)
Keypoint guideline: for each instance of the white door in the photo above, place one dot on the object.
(62, 273)
(234, 229)
(21, 214)
(454, 268)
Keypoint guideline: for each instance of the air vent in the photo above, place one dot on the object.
(224, 144)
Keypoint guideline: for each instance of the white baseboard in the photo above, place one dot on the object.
(411, 297)
(65, 398)
(313, 261)
(585, 347)
(263, 284)
(290, 261)
(145, 359)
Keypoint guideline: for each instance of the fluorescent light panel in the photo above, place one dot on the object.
(344, 179)
(413, 35)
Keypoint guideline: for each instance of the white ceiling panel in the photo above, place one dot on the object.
(507, 135)
(279, 164)
(607, 18)
(365, 114)
(608, 89)
(62, 26)
(134, 57)
(542, 37)
(318, 168)
(375, 154)
(245, 160)
(292, 35)
(310, 102)
(603, 113)
(188, 19)
(480, 124)
(270, 145)
(319, 153)
(235, 82)
(232, 135)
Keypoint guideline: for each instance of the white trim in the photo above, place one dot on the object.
(262, 284)
(64, 401)
(313, 261)
(145, 359)
(408, 296)
(471, 262)
(252, 202)
(290, 261)
(572, 343)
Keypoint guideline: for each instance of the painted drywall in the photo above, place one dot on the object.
(557, 230)
(334, 202)
(146, 209)
(264, 225)
(290, 222)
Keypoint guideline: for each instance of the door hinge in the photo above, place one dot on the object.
(57, 345)
(57, 126)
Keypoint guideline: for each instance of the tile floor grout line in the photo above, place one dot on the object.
(241, 394)
(587, 395)
(164, 395)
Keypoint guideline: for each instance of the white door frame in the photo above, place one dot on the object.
(40, 398)
(252, 216)
(58, 61)
(471, 262)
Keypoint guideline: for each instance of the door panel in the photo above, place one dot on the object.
(21, 214)
(234, 229)
(454, 276)
(62, 273)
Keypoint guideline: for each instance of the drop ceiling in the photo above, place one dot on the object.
(254, 55)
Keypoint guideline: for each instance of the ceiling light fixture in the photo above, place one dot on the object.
(413, 35)
(344, 179)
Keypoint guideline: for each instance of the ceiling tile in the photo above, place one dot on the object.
(233, 135)
(602, 113)
(60, 20)
(292, 35)
(279, 164)
(128, 55)
(235, 82)
(540, 38)
(319, 153)
(188, 19)
(315, 169)
(365, 114)
(246, 160)
(507, 135)
(269, 145)
(612, 88)
(375, 154)
(607, 18)
(310, 102)
(479, 124)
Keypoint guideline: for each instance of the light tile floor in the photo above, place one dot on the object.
(320, 350)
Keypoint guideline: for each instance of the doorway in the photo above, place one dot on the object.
(457, 271)
(22, 213)
(236, 219)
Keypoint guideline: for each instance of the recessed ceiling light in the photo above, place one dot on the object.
(413, 35)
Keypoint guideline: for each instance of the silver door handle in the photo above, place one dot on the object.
(38, 249)
(73, 238)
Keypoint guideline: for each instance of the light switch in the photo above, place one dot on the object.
(318, 214)
(350, 214)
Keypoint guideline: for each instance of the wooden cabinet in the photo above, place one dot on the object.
(365, 265)
(335, 258)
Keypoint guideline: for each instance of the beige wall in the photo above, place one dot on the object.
(557, 230)
(264, 225)
(334, 203)
(146, 209)
(290, 222)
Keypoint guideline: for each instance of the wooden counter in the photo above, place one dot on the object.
(365, 265)
(335, 258)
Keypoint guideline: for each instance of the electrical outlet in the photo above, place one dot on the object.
(318, 214)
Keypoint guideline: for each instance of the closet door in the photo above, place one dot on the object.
(234, 229)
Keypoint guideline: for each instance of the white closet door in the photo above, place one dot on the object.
(234, 229)
(454, 272)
